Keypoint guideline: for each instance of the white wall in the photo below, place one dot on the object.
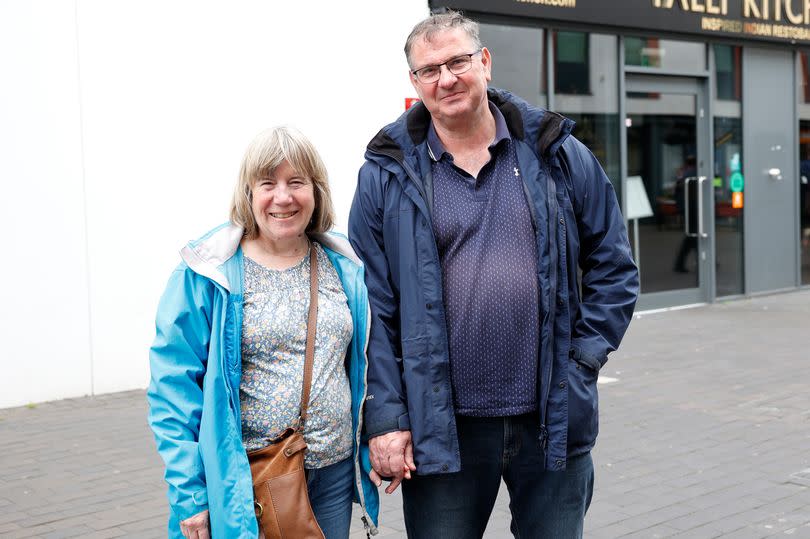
(44, 323)
(138, 133)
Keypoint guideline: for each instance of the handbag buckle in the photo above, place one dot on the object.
(258, 508)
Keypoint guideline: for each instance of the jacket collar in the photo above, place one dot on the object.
(207, 255)
(543, 130)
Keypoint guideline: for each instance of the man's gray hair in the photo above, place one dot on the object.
(441, 22)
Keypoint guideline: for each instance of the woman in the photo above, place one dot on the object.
(227, 361)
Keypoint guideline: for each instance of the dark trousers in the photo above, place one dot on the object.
(544, 504)
(688, 244)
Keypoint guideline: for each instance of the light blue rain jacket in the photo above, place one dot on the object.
(196, 370)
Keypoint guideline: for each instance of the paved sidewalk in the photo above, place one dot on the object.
(705, 433)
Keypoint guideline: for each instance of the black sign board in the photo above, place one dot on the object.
(780, 21)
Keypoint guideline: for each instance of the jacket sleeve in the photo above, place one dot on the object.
(386, 408)
(609, 275)
(178, 359)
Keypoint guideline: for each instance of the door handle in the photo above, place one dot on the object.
(701, 231)
(775, 173)
(686, 204)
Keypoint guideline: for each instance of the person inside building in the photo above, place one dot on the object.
(472, 214)
(804, 199)
(228, 358)
(688, 243)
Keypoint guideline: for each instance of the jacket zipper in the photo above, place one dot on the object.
(369, 528)
(552, 197)
(551, 192)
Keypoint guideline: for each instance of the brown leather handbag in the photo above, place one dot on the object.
(280, 496)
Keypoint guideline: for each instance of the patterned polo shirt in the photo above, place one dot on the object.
(487, 250)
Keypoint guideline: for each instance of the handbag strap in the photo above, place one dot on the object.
(312, 322)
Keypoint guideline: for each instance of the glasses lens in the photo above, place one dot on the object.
(428, 74)
(459, 65)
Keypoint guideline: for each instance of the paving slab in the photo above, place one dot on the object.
(705, 432)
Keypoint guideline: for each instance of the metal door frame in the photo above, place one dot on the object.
(698, 87)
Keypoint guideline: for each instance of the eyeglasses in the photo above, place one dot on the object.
(456, 65)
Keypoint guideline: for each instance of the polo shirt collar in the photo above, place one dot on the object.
(436, 148)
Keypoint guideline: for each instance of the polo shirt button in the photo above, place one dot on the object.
(562, 221)
(559, 463)
(562, 385)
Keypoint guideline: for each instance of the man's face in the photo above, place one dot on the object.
(452, 97)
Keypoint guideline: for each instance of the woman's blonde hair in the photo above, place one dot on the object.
(267, 151)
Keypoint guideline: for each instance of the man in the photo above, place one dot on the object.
(471, 214)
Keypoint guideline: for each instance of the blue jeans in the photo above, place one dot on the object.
(330, 493)
(544, 504)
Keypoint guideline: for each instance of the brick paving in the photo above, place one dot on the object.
(705, 433)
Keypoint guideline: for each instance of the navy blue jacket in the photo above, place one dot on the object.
(577, 223)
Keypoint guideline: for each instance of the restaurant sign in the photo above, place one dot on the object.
(783, 21)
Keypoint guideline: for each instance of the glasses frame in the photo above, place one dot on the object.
(469, 56)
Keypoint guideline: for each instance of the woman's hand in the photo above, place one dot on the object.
(196, 527)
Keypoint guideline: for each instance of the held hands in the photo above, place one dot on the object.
(391, 456)
(196, 527)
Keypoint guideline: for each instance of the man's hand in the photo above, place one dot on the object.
(196, 527)
(391, 455)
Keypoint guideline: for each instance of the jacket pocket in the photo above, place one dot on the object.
(583, 405)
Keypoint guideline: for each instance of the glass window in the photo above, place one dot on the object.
(728, 177)
(634, 53)
(804, 73)
(518, 60)
(804, 163)
(666, 54)
(589, 95)
(571, 63)
(728, 205)
(728, 72)
(662, 131)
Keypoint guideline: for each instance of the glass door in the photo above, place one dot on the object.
(668, 191)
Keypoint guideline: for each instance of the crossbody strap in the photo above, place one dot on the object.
(312, 322)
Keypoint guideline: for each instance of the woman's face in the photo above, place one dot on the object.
(283, 203)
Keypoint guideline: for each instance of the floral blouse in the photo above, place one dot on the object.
(274, 330)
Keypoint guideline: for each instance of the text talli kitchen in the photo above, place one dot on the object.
(793, 11)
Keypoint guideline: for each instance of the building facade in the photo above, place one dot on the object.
(698, 111)
(122, 125)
